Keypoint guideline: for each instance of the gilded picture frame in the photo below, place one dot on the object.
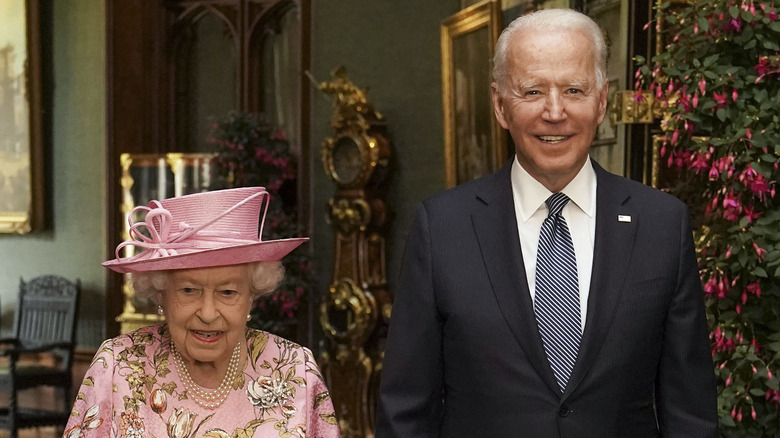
(22, 196)
(474, 143)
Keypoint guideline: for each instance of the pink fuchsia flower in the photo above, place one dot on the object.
(772, 15)
(751, 214)
(702, 86)
(699, 162)
(720, 343)
(685, 101)
(716, 286)
(750, 7)
(754, 288)
(763, 67)
(748, 175)
(720, 99)
(732, 207)
(714, 174)
(761, 252)
(678, 159)
(659, 91)
(733, 24)
(725, 164)
(760, 187)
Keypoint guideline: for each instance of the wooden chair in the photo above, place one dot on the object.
(44, 327)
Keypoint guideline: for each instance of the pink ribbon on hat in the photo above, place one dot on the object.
(163, 243)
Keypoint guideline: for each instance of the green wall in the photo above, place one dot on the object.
(75, 244)
(391, 47)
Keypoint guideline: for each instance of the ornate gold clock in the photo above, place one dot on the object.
(356, 308)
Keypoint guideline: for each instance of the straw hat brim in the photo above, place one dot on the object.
(268, 251)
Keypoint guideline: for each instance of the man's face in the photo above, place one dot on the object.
(550, 103)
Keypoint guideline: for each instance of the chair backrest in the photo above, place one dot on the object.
(46, 312)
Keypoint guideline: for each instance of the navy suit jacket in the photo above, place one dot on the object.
(464, 357)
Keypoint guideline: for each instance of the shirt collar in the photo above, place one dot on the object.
(530, 194)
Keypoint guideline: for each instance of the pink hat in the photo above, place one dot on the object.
(216, 228)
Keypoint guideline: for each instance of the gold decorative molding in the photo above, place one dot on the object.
(356, 157)
(630, 106)
(351, 109)
(350, 214)
(357, 312)
(475, 144)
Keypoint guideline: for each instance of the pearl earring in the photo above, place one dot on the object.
(160, 311)
(249, 317)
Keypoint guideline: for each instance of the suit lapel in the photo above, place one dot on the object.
(495, 225)
(612, 251)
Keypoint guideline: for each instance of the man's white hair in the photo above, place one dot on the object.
(550, 19)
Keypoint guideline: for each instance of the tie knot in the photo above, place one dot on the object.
(555, 203)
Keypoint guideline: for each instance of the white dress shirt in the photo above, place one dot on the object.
(580, 214)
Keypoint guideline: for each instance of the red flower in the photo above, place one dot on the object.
(754, 288)
(699, 163)
(760, 187)
(751, 214)
(733, 24)
(720, 99)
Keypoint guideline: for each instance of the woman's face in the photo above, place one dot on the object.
(206, 310)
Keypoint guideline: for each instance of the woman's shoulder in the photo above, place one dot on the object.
(144, 336)
(260, 340)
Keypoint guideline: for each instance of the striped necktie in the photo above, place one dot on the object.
(556, 298)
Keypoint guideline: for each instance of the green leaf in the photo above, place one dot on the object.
(708, 61)
(726, 420)
(742, 257)
(722, 114)
(704, 25)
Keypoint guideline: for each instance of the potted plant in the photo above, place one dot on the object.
(249, 152)
(718, 79)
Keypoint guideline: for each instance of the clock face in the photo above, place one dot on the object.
(347, 160)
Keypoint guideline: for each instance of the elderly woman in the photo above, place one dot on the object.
(203, 373)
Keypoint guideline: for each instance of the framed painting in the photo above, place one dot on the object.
(474, 143)
(21, 148)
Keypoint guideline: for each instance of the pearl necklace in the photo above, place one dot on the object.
(209, 399)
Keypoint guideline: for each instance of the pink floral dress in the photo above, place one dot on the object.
(132, 390)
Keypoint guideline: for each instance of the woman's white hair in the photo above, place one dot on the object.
(545, 19)
(264, 277)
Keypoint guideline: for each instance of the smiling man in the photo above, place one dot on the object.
(552, 298)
